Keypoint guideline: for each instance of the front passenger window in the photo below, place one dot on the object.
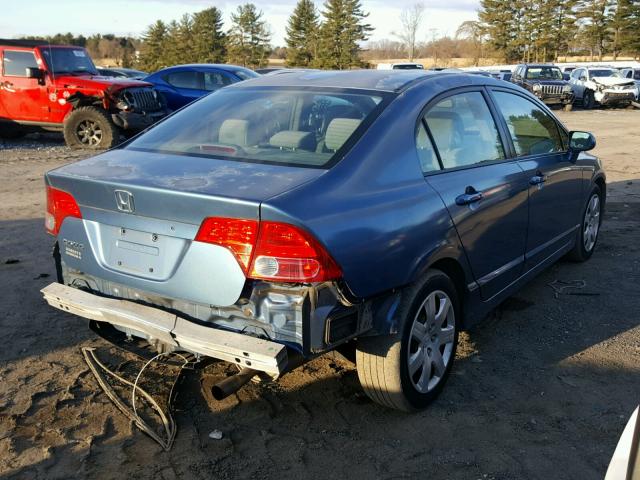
(532, 130)
(464, 131)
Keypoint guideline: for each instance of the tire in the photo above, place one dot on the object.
(91, 128)
(588, 100)
(591, 220)
(384, 362)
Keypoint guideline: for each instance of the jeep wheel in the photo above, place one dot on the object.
(407, 370)
(90, 127)
(588, 100)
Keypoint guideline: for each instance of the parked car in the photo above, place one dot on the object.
(122, 73)
(57, 87)
(400, 66)
(501, 74)
(602, 86)
(545, 82)
(183, 84)
(632, 73)
(368, 211)
(265, 70)
(566, 71)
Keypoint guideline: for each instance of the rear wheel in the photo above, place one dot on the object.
(90, 127)
(10, 131)
(407, 370)
(590, 227)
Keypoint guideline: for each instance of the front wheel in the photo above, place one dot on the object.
(90, 127)
(588, 100)
(407, 370)
(588, 235)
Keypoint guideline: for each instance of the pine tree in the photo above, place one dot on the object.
(631, 38)
(620, 19)
(343, 28)
(152, 54)
(248, 38)
(499, 21)
(208, 38)
(593, 15)
(302, 35)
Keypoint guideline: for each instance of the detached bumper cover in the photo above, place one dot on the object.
(176, 332)
(137, 121)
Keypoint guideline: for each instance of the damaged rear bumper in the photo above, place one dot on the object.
(173, 331)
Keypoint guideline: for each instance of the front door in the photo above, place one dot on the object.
(484, 192)
(555, 182)
(22, 98)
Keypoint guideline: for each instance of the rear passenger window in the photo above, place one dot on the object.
(426, 153)
(15, 63)
(533, 131)
(190, 80)
(216, 80)
(464, 131)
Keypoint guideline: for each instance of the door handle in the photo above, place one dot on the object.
(537, 179)
(470, 195)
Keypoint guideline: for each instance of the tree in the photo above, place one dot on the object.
(152, 54)
(472, 31)
(209, 40)
(341, 31)
(302, 35)
(499, 20)
(620, 18)
(592, 15)
(248, 38)
(411, 20)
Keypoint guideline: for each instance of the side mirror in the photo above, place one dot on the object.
(581, 141)
(31, 72)
(583, 78)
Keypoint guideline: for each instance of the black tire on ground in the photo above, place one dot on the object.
(10, 131)
(588, 100)
(583, 249)
(383, 362)
(90, 127)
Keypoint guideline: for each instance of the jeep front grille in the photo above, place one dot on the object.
(552, 89)
(142, 99)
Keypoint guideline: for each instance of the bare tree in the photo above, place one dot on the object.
(411, 19)
(472, 31)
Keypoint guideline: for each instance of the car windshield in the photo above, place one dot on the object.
(69, 60)
(295, 127)
(604, 73)
(544, 73)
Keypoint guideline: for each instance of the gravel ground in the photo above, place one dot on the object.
(541, 389)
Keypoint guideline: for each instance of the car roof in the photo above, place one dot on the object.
(382, 80)
(218, 66)
(32, 43)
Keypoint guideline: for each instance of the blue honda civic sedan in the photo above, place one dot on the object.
(183, 84)
(377, 213)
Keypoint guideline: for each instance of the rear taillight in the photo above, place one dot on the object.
(60, 205)
(237, 235)
(271, 250)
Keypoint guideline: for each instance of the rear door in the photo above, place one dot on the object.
(555, 181)
(484, 192)
(185, 87)
(22, 98)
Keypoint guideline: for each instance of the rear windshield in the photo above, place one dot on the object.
(296, 127)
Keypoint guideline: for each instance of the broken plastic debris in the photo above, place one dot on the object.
(216, 435)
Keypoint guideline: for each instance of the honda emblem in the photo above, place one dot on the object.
(124, 201)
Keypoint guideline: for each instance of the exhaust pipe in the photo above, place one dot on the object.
(232, 384)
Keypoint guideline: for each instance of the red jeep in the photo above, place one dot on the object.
(57, 87)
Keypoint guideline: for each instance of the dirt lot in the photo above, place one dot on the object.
(541, 389)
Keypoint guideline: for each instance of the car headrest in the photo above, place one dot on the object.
(446, 127)
(293, 139)
(235, 132)
(338, 131)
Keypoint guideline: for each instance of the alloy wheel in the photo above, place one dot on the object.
(591, 223)
(89, 133)
(431, 341)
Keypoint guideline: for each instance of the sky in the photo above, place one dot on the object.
(131, 17)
